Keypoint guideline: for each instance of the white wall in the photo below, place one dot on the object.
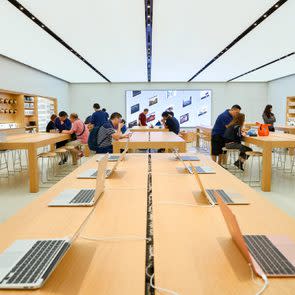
(278, 90)
(251, 96)
(21, 78)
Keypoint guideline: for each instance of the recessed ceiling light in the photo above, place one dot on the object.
(277, 5)
(21, 8)
(42, 26)
(265, 15)
(33, 18)
(255, 24)
(148, 16)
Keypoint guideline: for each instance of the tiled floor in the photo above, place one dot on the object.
(14, 193)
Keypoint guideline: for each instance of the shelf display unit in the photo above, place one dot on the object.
(290, 111)
(21, 111)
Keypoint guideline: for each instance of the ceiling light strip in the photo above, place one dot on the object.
(33, 18)
(149, 29)
(265, 65)
(276, 6)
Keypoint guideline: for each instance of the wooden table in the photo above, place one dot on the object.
(91, 267)
(31, 142)
(148, 129)
(193, 250)
(151, 140)
(285, 128)
(268, 143)
(202, 130)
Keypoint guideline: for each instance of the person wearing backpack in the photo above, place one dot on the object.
(81, 133)
(101, 138)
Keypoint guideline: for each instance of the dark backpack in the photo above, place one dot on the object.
(92, 139)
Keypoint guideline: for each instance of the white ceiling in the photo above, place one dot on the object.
(187, 34)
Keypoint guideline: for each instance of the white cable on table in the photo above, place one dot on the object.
(185, 204)
(159, 288)
(116, 238)
(264, 277)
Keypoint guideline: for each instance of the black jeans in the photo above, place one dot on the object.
(243, 149)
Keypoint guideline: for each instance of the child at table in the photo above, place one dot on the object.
(233, 137)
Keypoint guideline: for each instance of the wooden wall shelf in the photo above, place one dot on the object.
(290, 110)
(15, 108)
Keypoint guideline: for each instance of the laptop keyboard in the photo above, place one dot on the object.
(30, 268)
(269, 258)
(226, 199)
(189, 158)
(84, 196)
(94, 174)
(200, 169)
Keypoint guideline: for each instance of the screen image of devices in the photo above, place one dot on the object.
(190, 107)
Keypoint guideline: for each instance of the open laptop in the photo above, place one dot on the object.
(92, 173)
(210, 194)
(185, 157)
(273, 256)
(27, 264)
(114, 158)
(83, 197)
(200, 169)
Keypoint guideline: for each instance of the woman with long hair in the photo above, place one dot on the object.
(233, 139)
(269, 117)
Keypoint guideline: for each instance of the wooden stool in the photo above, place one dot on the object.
(4, 163)
(232, 157)
(86, 150)
(254, 155)
(51, 163)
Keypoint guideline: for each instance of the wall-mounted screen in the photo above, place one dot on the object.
(190, 107)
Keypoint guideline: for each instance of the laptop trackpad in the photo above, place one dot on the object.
(236, 197)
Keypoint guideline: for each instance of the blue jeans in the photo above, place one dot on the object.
(105, 150)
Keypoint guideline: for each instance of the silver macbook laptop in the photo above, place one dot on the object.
(92, 173)
(210, 194)
(27, 264)
(114, 158)
(83, 197)
(185, 157)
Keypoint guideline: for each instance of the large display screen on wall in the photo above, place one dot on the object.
(190, 107)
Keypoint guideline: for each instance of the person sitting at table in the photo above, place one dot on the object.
(62, 123)
(108, 132)
(269, 117)
(81, 132)
(51, 126)
(170, 122)
(233, 137)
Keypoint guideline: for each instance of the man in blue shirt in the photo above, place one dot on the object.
(171, 122)
(217, 139)
(99, 117)
(62, 123)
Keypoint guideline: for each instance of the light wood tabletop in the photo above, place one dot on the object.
(193, 250)
(285, 128)
(148, 129)
(267, 143)
(151, 140)
(31, 142)
(100, 267)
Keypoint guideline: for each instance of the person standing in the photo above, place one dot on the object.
(109, 131)
(217, 139)
(107, 114)
(142, 118)
(99, 117)
(50, 126)
(170, 122)
(269, 117)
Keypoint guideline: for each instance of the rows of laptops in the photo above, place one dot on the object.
(27, 264)
(270, 256)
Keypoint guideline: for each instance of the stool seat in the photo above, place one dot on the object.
(47, 155)
(233, 150)
(254, 154)
(61, 150)
(69, 147)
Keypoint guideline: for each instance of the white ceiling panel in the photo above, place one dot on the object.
(110, 34)
(187, 34)
(276, 70)
(272, 39)
(24, 41)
